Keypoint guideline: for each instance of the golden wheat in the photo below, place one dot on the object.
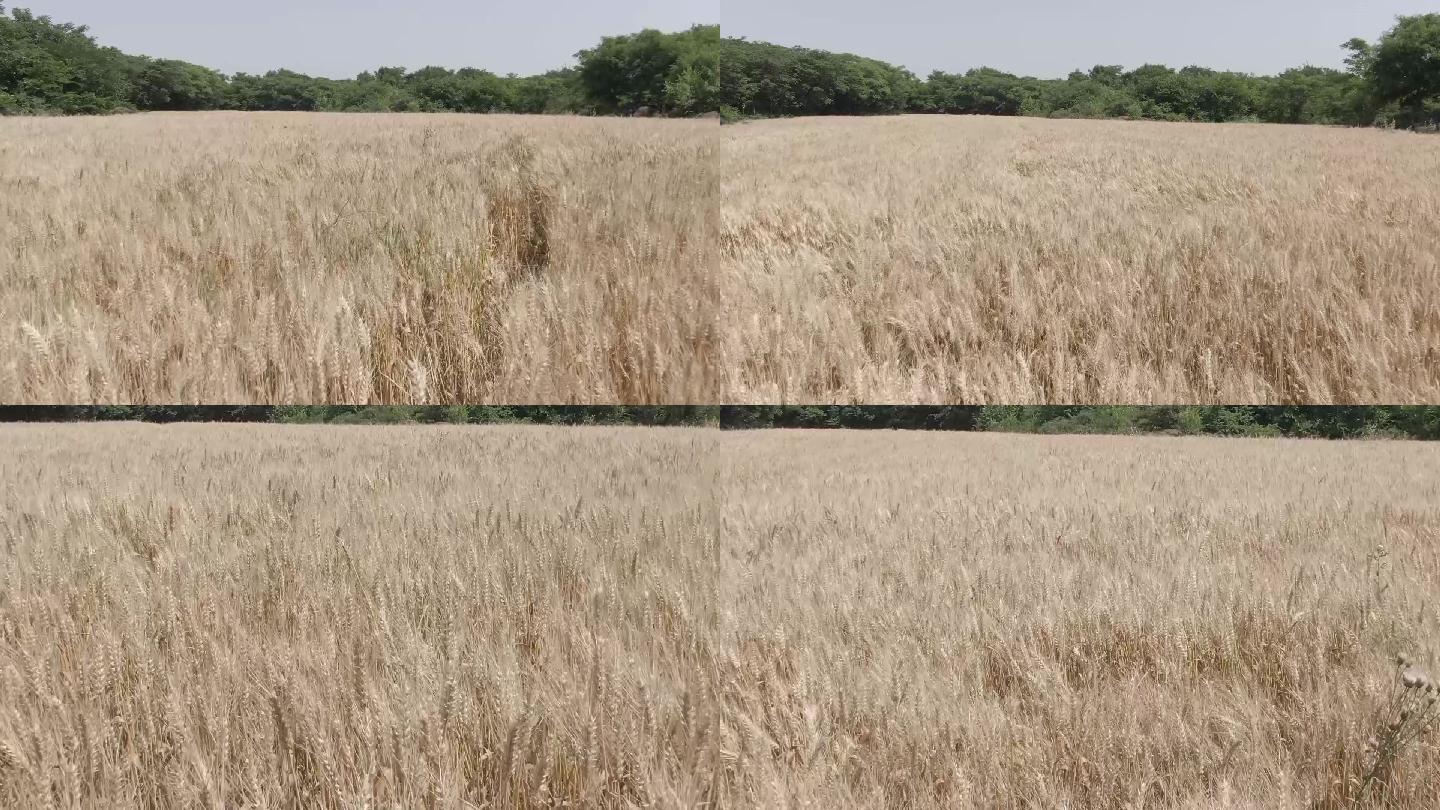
(977, 620)
(522, 616)
(970, 259)
(264, 258)
(357, 616)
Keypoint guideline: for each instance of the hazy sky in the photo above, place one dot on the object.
(1049, 38)
(340, 38)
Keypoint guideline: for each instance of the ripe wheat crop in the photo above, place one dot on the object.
(969, 259)
(979, 620)
(285, 616)
(264, 258)
(526, 616)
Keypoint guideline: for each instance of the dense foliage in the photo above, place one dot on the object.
(50, 67)
(1402, 70)
(1316, 421)
(1394, 82)
(1332, 422)
(673, 74)
(760, 78)
(57, 66)
(892, 417)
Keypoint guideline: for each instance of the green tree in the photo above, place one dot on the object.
(47, 66)
(982, 91)
(1312, 95)
(277, 90)
(1403, 69)
(169, 84)
(670, 73)
(692, 85)
(558, 91)
(368, 94)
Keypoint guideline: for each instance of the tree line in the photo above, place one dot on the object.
(51, 67)
(1308, 421)
(48, 67)
(1392, 82)
(1312, 421)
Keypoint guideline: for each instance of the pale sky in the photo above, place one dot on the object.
(1050, 38)
(340, 38)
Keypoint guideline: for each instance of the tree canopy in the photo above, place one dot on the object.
(1395, 81)
(1310, 421)
(50, 67)
(1313, 421)
(764, 79)
(1402, 71)
(667, 73)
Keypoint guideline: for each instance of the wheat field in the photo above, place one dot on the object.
(943, 259)
(982, 620)
(506, 617)
(311, 258)
(287, 616)
(316, 258)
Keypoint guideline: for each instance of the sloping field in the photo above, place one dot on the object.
(312, 258)
(947, 259)
(980, 620)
